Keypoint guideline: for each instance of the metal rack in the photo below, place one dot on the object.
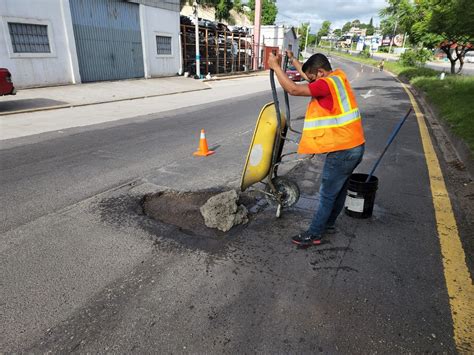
(222, 51)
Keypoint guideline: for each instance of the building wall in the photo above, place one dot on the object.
(290, 42)
(61, 65)
(271, 36)
(157, 21)
(40, 69)
(278, 36)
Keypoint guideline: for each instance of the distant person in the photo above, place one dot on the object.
(381, 64)
(332, 126)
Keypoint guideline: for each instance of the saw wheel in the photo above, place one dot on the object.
(287, 190)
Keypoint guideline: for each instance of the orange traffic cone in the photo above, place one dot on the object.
(203, 149)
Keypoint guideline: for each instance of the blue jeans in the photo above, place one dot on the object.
(338, 167)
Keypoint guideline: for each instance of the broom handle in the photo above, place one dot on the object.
(390, 140)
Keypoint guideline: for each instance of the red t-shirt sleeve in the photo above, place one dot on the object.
(320, 91)
(319, 88)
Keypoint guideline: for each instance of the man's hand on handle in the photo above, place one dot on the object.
(274, 61)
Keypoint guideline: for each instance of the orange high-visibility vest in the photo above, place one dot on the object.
(337, 129)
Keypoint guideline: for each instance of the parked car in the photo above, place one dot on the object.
(185, 20)
(469, 57)
(238, 29)
(6, 84)
(293, 74)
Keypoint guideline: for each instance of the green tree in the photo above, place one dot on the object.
(398, 17)
(446, 24)
(355, 23)
(238, 6)
(337, 32)
(452, 21)
(347, 26)
(324, 30)
(302, 30)
(387, 26)
(269, 11)
(223, 8)
(370, 27)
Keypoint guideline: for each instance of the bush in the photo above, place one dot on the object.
(365, 53)
(408, 59)
(414, 58)
(424, 55)
(383, 49)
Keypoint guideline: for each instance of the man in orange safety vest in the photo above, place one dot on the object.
(332, 126)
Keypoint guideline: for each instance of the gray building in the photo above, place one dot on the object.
(48, 42)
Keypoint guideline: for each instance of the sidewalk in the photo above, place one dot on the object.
(54, 97)
(34, 111)
(65, 96)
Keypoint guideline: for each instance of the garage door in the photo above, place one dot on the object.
(108, 39)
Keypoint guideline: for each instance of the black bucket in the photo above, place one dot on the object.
(361, 195)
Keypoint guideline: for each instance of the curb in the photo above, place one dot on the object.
(230, 77)
(57, 107)
(460, 148)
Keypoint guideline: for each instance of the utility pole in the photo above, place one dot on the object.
(393, 37)
(196, 27)
(306, 40)
(256, 33)
(404, 40)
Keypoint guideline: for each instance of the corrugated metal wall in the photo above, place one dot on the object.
(108, 39)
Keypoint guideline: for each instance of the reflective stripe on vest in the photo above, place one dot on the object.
(342, 96)
(332, 121)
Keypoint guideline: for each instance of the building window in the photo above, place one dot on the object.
(163, 45)
(29, 38)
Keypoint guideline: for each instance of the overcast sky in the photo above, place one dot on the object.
(294, 12)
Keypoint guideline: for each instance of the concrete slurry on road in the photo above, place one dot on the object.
(84, 270)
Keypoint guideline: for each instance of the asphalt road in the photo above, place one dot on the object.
(83, 270)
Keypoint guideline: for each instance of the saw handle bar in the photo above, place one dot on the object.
(276, 102)
(285, 94)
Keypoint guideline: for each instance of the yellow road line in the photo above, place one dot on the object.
(458, 280)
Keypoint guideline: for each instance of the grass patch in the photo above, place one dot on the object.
(410, 73)
(359, 59)
(452, 97)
